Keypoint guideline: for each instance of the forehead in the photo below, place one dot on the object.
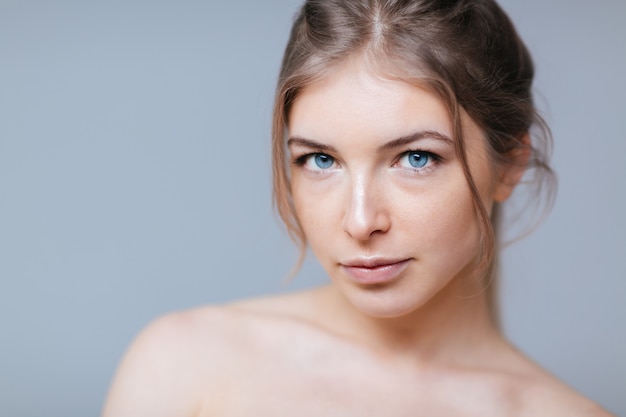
(354, 100)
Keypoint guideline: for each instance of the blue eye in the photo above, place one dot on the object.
(418, 159)
(322, 161)
(316, 161)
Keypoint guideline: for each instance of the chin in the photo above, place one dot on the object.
(384, 303)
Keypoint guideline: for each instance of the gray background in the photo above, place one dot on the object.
(135, 180)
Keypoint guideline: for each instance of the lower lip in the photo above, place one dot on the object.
(382, 274)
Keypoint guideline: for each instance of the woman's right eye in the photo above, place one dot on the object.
(316, 161)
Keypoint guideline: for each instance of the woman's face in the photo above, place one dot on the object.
(379, 191)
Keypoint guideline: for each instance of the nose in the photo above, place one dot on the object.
(366, 212)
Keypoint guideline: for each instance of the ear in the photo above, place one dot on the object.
(510, 172)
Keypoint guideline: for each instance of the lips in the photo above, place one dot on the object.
(375, 271)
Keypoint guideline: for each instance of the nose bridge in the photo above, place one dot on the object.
(365, 209)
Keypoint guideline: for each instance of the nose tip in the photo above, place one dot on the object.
(366, 214)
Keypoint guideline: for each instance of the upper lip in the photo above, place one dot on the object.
(373, 262)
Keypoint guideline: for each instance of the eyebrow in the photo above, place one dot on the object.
(310, 144)
(413, 137)
(396, 143)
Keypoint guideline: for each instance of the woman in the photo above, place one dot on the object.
(399, 129)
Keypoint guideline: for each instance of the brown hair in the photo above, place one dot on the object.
(467, 51)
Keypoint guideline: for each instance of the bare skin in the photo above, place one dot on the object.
(403, 329)
(279, 357)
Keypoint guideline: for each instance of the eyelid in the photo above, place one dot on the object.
(435, 160)
(303, 159)
(301, 151)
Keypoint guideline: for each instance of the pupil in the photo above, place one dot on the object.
(323, 161)
(417, 160)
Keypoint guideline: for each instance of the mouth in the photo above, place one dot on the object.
(375, 271)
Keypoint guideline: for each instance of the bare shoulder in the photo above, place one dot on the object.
(542, 394)
(161, 372)
(178, 358)
(551, 397)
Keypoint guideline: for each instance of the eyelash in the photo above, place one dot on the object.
(301, 160)
(433, 161)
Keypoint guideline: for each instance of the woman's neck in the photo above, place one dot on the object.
(455, 326)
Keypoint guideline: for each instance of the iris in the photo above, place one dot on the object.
(418, 159)
(324, 161)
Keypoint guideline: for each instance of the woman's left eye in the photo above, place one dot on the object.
(417, 159)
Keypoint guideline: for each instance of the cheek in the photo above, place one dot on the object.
(442, 225)
(316, 208)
